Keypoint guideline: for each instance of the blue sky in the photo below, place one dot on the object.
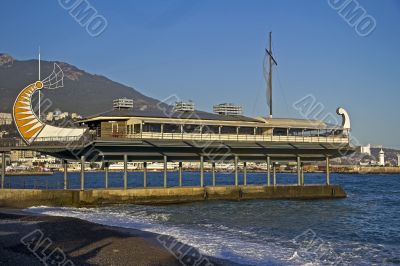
(212, 51)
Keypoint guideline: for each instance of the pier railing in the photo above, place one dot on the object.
(341, 139)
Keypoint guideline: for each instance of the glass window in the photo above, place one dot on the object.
(172, 128)
(246, 130)
(228, 130)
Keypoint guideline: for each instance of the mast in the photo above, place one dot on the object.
(39, 80)
(270, 74)
(271, 62)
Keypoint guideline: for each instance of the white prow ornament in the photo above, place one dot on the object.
(345, 118)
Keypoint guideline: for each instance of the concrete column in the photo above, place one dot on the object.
(125, 171)
(165, 170)
(3, 168)
(201, 171)
(65, 163)
(268, 171)
(145, 174)
(245, 173)
(298, 170)
(180, 174)
(106, 168)
(328, 171)
(274, 173)
(302, 174)
(236, 171)
(213, 174)
(82, 172)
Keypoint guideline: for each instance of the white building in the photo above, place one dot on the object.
(381, 158)
(184, 106)
(366, 149)
(398, 160)
(228, 109)
(123, 103)
(5, 119)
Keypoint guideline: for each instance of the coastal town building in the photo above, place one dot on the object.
(122, 103)
(184, 106)
(228, 109)
(5, 119)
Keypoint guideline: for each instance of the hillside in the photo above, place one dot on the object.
(83, 92)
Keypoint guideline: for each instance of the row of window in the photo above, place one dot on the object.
(197, 129)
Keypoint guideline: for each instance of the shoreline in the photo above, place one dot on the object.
(85, 243)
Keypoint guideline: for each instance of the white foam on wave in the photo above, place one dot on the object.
(212, 240)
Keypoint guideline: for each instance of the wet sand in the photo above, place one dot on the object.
(86, 243)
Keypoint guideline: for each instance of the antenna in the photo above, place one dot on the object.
(268, 79)
(39, 79)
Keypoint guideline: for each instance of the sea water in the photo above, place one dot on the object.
(363, 229)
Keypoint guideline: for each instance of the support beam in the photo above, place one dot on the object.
(125, 171)
(165, 170)
(3, 168)
(180, 173)
(328, 171)
(302, 174)
(106, 169)
(82, 172)
(298, 171)
(245, 173)
(268, 171)
(201, 171)
(274, 173)
(236, 171)
(145, 174)
(65, 163)
(213, 174)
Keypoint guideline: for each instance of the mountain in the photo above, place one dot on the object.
(83, 93)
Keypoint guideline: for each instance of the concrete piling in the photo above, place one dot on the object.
(274, 173)
(298, 170)
(201, 171)
(106, 169)
(125, 171)
(245, 173)
(328, 171)
(236, 171)
(213, 174)
(65, 163)
(180, 173)
(165, 170)
(145, 174)
(268, 171)
(3, 168)
(82, 173)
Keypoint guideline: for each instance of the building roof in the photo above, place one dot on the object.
(197, 115)
(201, 116)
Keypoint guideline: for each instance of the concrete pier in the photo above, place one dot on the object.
(274, 173)
(23, 198)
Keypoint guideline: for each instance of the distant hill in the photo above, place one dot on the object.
(83, 93)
